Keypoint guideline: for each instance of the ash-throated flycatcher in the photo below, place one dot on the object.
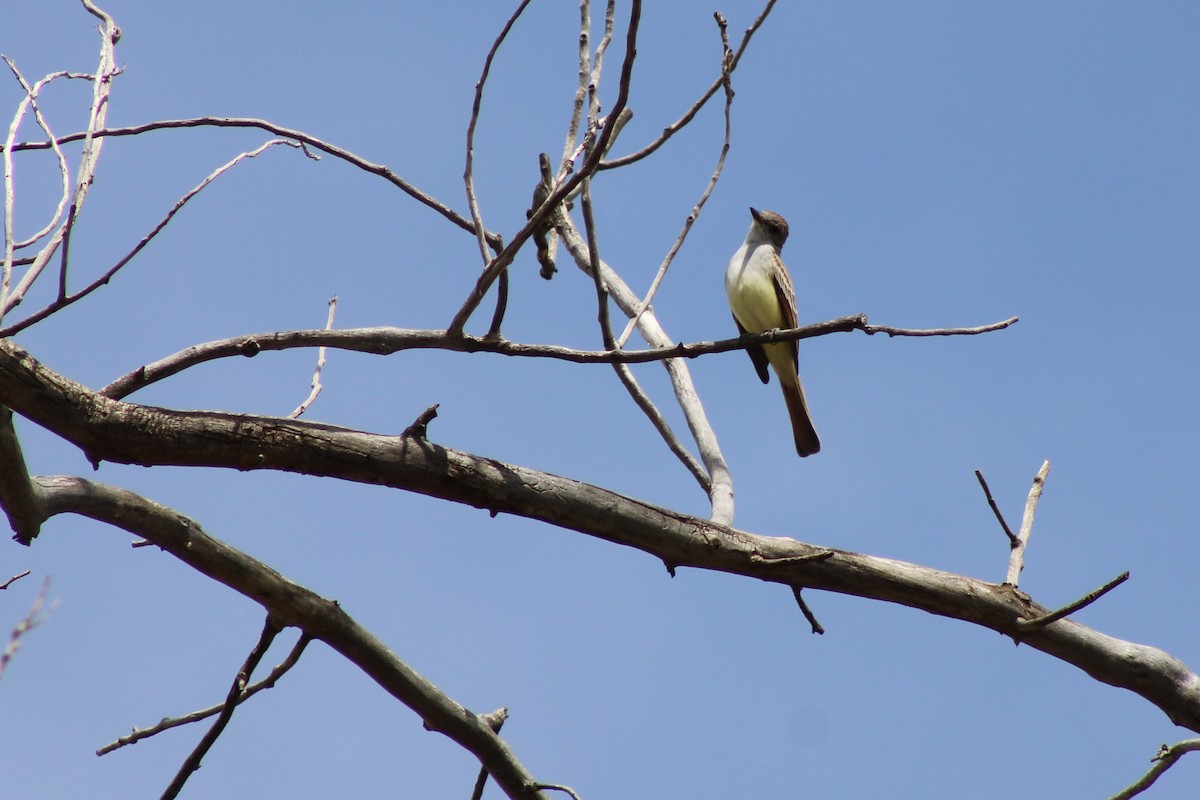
(761, 298)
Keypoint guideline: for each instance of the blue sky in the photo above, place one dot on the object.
(941, 164)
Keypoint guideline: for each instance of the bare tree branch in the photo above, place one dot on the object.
(495, 721)
(558, 787)
(89, 158)
(560, 192)
(63, 300)
(268, 682)
(14, 579)
(661, 425)
(469, 169)
(316, 386)
(688, 115)
(106, 70)
(1013, 541)
(64, 170)
(125, 433)
(1067, 610)
(1016, 558)
(388, 340)
(236, 691)
(726, 66)
(17, 493)
(288, 133)
(36, 616)
(1163, 761)
(292, 605)
(807, 612)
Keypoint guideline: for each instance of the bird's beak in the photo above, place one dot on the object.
(754, 213)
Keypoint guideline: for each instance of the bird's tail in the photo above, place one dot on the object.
(805, 434)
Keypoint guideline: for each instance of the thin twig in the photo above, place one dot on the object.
(589, 226)
(1163, 761)
(610, 10)
(35, 617)
(420, 426)
(807, 612)
(64, 170)
(388, 340)
(557, 787)
(268, 682)
(326, 620)
(236, 692)
(1012, 537)
(495, 721)
(316, 378)
(1027, 625)
(89, 158)
(688, 115)
(1016, 558)
(660, 424)
(14, 579)
(39, 261)
(726, 62)
(720, 491)
(380, 170)
(469, 177)
(585, 26)
(64, 301)
(469, 168)
(560, 192)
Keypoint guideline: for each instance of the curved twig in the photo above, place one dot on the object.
(380, 170)
(726, 66)
(63, 300)
(560, 192)
(688, 115)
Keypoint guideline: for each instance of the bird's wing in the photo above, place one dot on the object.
(787, 302)
(757, 355)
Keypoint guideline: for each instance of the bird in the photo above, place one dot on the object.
(761, 298)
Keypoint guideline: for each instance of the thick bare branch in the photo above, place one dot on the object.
(17, 494)
(126, 433)
(292, 604)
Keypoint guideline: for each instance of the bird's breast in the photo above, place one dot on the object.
(750, 286)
